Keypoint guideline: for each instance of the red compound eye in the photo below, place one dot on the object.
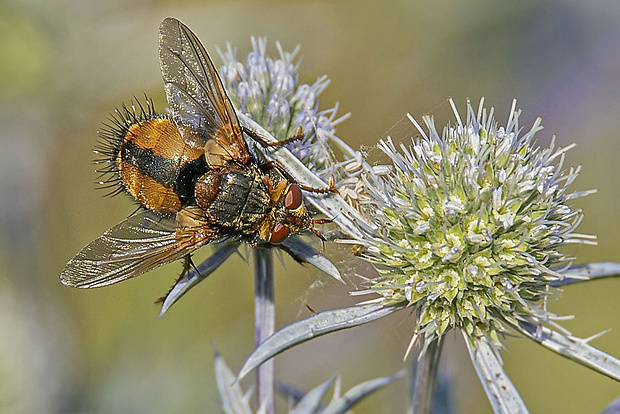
(293, 197)
(279, 234)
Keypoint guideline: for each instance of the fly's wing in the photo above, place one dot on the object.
(134, 246)
(201, 109)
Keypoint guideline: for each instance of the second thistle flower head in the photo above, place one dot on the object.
(470, 225)
(269, 91)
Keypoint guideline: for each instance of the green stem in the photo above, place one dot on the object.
(422, 377)
(264, 322)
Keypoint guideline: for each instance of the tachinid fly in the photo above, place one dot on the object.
(191, 173)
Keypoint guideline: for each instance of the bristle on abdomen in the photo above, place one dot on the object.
(142, 153)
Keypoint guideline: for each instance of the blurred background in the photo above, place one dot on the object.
(65, 65)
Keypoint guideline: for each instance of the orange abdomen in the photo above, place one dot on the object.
(157, 167)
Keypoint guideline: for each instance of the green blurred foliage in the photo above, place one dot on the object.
(64, 65)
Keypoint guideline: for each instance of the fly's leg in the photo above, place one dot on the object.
(274, 164)
(298, 136)
(187, 264)
(316, 232)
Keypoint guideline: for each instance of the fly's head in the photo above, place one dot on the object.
(289, 215)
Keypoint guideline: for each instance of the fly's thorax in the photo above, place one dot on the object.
(235, 197)
(151, 157)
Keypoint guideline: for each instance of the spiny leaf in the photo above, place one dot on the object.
(320, 324)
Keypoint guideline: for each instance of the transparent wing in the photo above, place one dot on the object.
(202, 111)
(134, 246)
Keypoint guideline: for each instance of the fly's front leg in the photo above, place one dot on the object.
(298, 136)
(274, 164)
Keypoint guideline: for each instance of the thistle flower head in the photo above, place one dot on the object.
(470, 225)
(467, 229)
(269, 91)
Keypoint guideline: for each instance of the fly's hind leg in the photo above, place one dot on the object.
(187, 264)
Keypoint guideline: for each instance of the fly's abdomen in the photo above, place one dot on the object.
(149, 162)
(238, 200)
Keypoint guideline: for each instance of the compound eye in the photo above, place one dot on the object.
(293, 197)
(279, 234)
